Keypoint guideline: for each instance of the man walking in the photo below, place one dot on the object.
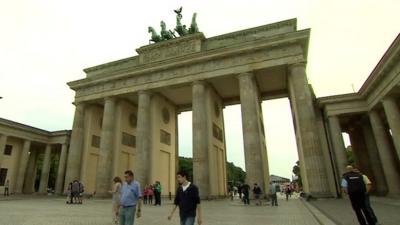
(257, 194)
(368, 186)
(246, 190)
(272, 193)
(7, 188)
(353, 184)
(157, 193)
(188, 199)
(130, 200)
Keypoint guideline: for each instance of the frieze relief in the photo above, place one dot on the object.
(172, 49)
(187, 70)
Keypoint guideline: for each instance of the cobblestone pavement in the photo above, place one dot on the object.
(54, 211)
(339, 210)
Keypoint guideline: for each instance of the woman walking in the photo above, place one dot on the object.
(116, 196)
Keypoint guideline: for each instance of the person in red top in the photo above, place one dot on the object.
(150, 193)
(145, 194)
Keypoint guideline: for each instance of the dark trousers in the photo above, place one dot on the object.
(158, 198)
(369, 208)
(359, 207)
(274, 200)
(246, 199)
(145, 199)
(150, 199)
(6, 191)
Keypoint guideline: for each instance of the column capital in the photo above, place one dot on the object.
(199, 82)
(145, 92)
(80, 104)
(388, 98)
(373, 112)
(110, 98)
(299, 64)
(245, 74)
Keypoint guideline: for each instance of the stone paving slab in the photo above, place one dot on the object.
(54, 211)
(339, 210)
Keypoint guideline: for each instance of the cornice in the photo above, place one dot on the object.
(322, 101)
(273, 26)
(23, 127)
(385, 64)
(19, 127)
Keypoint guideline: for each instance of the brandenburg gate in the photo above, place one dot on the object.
(126, 110)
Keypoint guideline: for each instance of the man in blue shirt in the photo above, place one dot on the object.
(131, 197)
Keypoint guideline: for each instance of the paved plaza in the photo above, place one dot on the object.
(54, 211)
(340, 211)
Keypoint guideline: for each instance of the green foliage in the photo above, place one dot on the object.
(296, 171)
(54, 161)
(234, 173)
(186, 164)
(350, 155)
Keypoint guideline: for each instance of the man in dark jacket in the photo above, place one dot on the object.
(354, 185)
(188, 199)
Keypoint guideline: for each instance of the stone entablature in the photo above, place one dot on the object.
(385, 74)
(343, 104)
(382, 82)
(252, 34)
(276, 50)
(22, 131)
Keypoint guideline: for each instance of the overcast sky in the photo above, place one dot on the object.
(46, 43)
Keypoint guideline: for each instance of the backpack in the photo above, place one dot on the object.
(355, 182)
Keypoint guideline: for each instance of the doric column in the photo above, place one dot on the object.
(61, 169)
(30, 175)
(44, 178)
(385, 153)
(378, 182)
(338, 144)
(200, 139)
(257, 170)
(312, 167)
(104, 166)
(393, 117)
(23, 162)
(76, 145)
(143, 162)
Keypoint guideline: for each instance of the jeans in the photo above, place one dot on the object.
(187, 221)
(127, 215)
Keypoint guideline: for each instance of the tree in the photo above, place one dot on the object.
(350, 155)
(234, 173)
(186, 164)
(296, 171)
